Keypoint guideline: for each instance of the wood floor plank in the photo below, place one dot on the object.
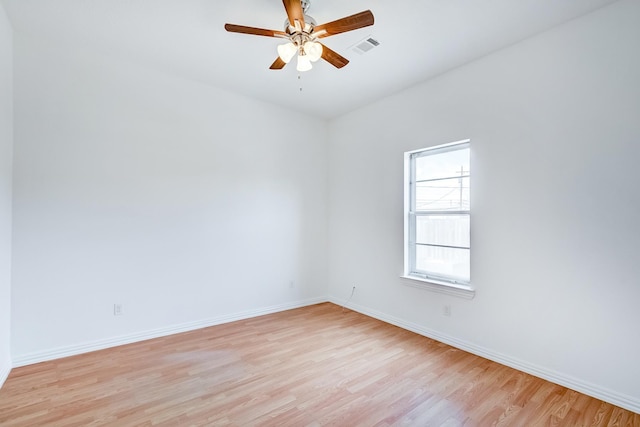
(315, 366)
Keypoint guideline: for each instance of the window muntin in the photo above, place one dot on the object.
(438, 243)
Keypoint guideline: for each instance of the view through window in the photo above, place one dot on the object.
(438, 213)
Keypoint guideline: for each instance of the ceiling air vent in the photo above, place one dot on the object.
(365, 45)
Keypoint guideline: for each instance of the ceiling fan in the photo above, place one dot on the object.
(303, 33)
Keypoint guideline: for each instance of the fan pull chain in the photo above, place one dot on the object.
(300, 81)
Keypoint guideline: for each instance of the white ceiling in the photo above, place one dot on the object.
(419, 40)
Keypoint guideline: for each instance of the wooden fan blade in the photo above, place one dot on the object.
(333, 57)
(278, 64)
(349, 23)
(233, 28)
(294, 12)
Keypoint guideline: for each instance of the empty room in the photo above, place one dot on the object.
(310, 213)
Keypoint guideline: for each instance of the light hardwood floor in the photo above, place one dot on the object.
(317, 365)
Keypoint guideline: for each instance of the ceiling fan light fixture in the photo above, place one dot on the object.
(304, 63)
(313, 50)
(287, 51)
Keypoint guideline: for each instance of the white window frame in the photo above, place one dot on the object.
(439, 283)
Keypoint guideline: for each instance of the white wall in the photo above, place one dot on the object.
(554, 124)
(187, 204)
(6, 149)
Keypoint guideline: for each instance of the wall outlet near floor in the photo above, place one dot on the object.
(291, 285)
(446, 310)
(118, 310)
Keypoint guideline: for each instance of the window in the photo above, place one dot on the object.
(437, 215)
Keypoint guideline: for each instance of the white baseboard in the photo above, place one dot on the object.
(4, 373)
(624, 401)
(72, 350)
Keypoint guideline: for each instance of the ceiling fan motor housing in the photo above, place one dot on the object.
(309, 25)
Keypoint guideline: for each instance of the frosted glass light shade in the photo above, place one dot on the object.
(287, 51)
(304, 64)
(313, 50)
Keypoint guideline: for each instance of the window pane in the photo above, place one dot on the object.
(438, 218)
(448, 230)
(446, 194)
(443, 261)
(443, 165)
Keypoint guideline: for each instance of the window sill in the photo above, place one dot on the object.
(442, 287)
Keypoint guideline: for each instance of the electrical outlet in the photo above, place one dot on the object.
(291, 285)
(446, 310)
(117, 310)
